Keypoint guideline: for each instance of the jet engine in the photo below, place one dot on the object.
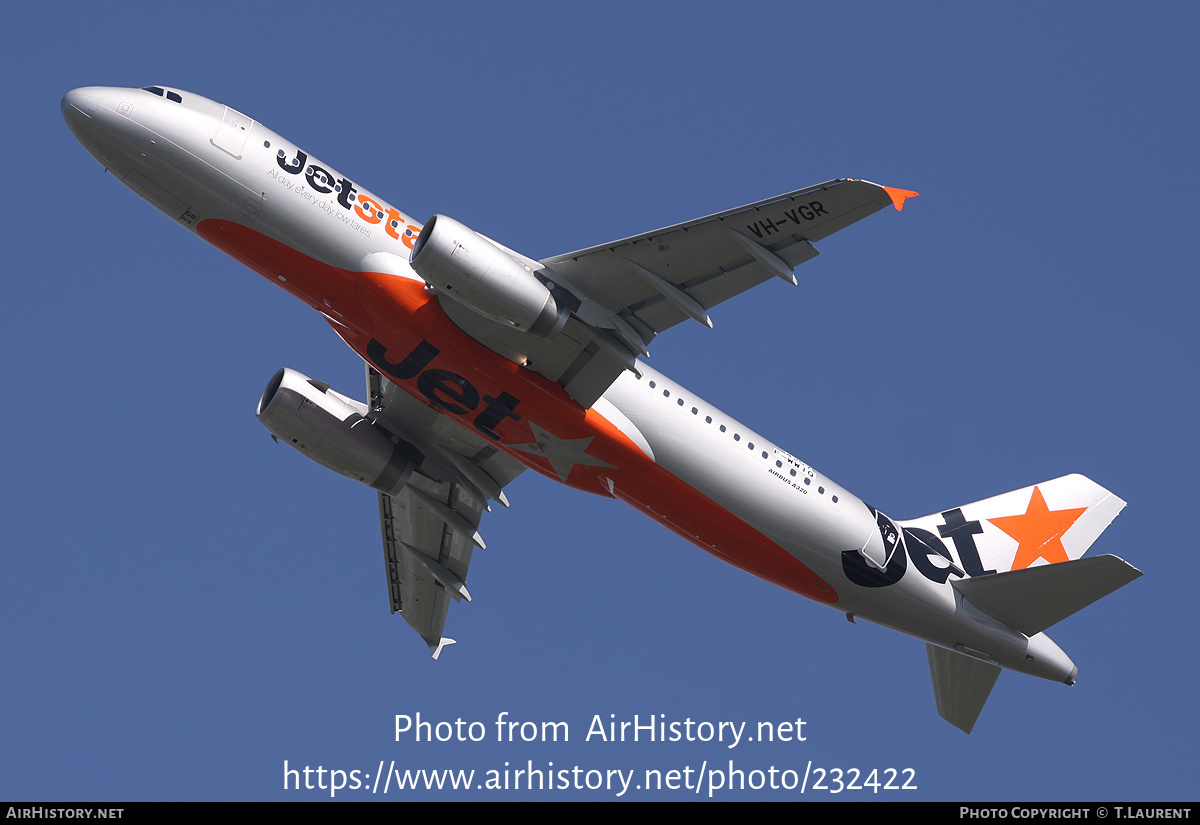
(479, 274)
(333, 431)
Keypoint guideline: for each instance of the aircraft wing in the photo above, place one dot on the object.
(630, 290)
(431, 527)
(660, 278)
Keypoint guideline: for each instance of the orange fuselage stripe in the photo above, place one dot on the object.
(400, 314)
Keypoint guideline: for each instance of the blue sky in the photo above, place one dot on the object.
(188, 604)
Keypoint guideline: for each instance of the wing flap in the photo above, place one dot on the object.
(425, 559)
(412, 590)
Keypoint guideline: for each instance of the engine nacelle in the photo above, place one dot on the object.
(333, 431)
(479, 274)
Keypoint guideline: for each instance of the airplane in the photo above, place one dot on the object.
(481, 363)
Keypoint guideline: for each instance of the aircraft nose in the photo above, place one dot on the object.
(77, 106)
(87, 104)
(91, 111)
(99, 117)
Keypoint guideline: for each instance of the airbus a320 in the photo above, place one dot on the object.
(482, 363)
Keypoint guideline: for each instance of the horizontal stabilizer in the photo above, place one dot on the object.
(1033, 599)
(961, 685)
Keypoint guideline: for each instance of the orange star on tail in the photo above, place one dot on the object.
(1038, 531)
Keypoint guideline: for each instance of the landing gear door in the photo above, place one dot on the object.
(233, 132)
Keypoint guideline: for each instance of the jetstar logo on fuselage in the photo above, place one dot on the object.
(1038, 533)
(368, 210)
(447, 390)
(921, 546)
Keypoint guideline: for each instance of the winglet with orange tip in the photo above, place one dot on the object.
(898, 196)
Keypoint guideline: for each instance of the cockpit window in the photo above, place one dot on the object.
(158, 90)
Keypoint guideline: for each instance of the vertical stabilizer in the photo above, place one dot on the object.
(1054, 521)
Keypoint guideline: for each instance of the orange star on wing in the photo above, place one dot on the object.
(1038, 531)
